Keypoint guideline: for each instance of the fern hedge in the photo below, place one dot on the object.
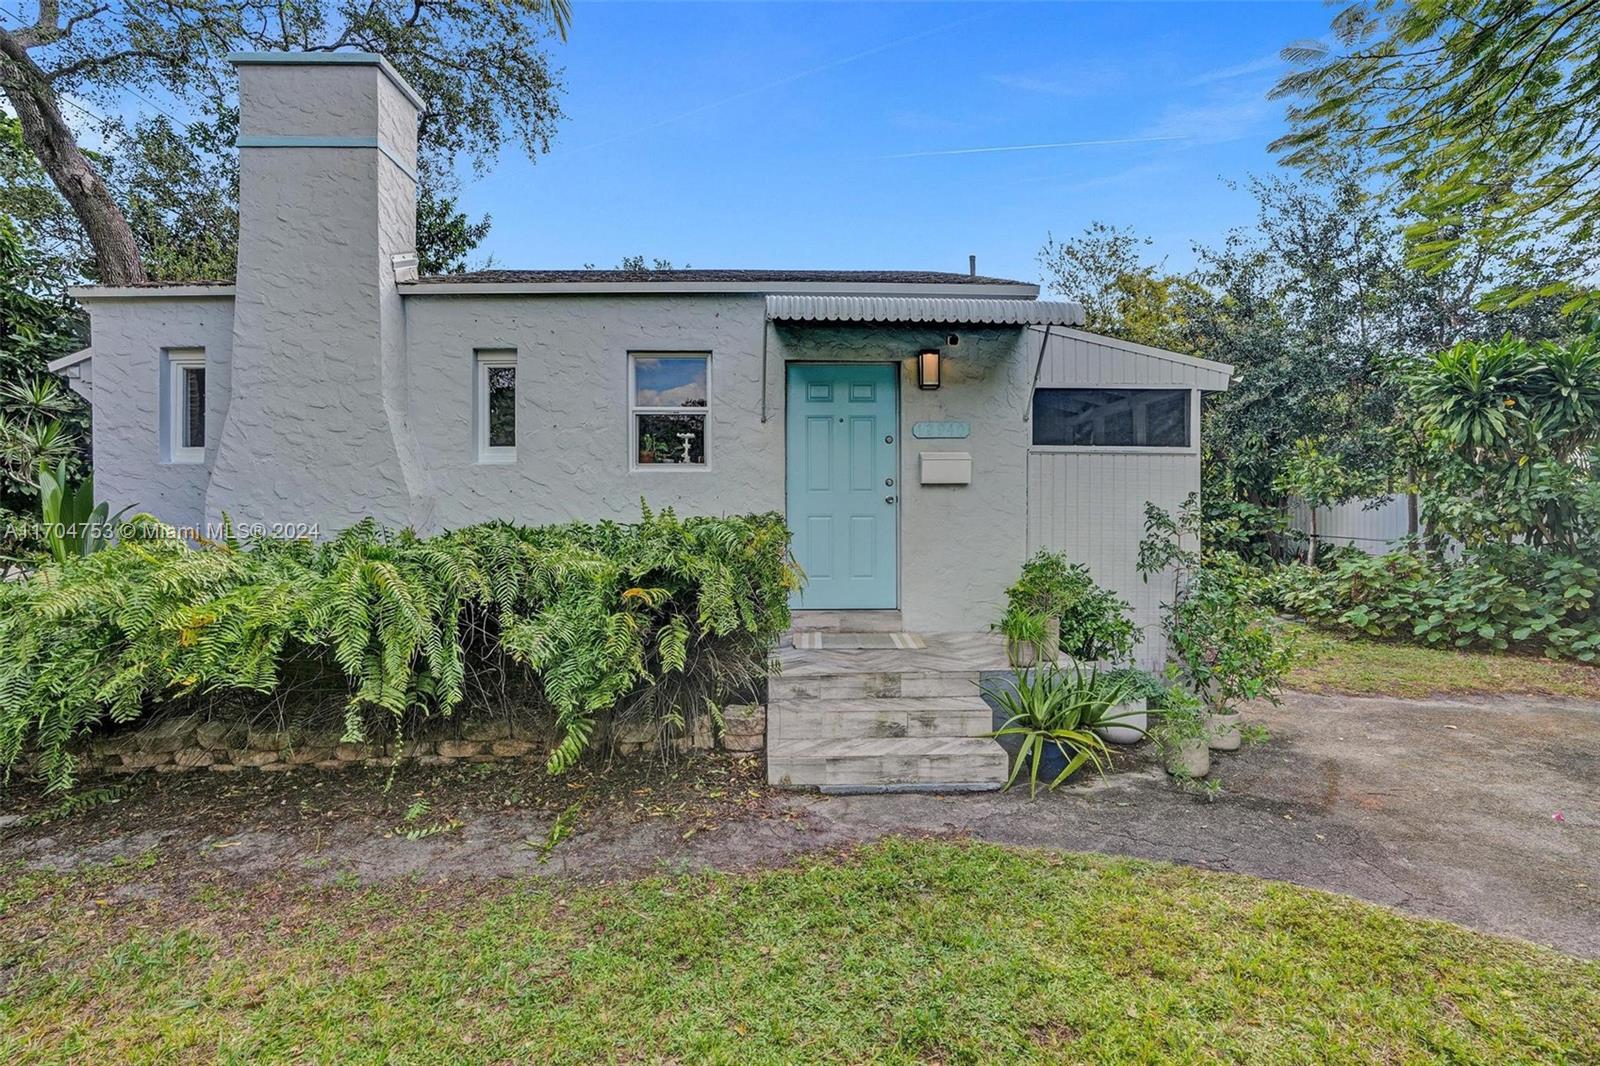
(662, 617)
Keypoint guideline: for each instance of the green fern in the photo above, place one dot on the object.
(599, 616)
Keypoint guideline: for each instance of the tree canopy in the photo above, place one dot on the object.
(482, 68)
(1480, 113)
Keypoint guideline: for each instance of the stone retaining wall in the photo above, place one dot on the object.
(188, 742)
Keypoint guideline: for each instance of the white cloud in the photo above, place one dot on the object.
(1259, 65)
(1225, 115)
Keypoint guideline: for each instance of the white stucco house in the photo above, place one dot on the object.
(924, 432)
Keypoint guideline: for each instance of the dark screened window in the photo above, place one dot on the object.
(502, 406)
(1112, 418)
(194, 407)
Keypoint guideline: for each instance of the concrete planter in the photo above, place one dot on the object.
(1224, 727)
(1189, 758)
(1127, 722)
(1025, 653)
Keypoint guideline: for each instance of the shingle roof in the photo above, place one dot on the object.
(847, 277)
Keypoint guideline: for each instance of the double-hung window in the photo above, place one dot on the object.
(496, 414)
(667, 401)
(186, 405)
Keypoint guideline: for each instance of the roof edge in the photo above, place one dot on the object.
(180, 290)
(1017, 291)
(65, 362)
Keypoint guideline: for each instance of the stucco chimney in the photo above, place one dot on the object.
(316, 431)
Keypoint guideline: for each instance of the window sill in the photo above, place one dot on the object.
(1108, 449)
(686, 468)
(497, 458)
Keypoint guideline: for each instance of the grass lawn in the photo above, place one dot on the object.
(1330, 662)
(905, 951)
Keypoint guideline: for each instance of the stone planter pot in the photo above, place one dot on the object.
(1050, 650)
(1224, 727)
(1025, 653)
(1021, 654)
(1189, 758)
(1126, 722)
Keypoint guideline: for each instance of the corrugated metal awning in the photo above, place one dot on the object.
(924, 309)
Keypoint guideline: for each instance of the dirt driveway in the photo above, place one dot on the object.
(1444, 808)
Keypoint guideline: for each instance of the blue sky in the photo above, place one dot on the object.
(813, 135)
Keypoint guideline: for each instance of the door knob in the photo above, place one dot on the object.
(888, 499)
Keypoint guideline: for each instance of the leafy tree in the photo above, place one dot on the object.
(40, 421)
(1481, 113)
(1322, 480)
(481, 68)
(1122, 295)
(40, 217)
(1510, 435)
(445, 235)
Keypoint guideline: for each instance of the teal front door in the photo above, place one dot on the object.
(844, 483)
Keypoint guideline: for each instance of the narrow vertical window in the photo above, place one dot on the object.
(186, 405)
(668, 396)
(497, 406)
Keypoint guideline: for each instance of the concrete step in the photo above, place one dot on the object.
(931, 763)
(928, 716)
(845, 621)
(872, 685)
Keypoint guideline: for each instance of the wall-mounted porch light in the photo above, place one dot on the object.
(928, 368)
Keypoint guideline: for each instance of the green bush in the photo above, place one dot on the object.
(1094, 621)
(1223, 646)
(1499, 597)
(597, 615)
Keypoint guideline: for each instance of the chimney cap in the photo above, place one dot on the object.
(349, 59)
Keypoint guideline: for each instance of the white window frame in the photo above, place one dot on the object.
(178, 361)
(487, 360)
(635, 410)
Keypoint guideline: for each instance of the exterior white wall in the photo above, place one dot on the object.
(1089, 502)
(131, 338)
(573, 458)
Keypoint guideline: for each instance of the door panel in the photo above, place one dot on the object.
(843, 446)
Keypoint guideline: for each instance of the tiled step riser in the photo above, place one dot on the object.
(892, 770)
(790, 722)
(871, 686)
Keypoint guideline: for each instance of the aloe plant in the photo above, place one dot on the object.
(74, 525)
(1050, 707)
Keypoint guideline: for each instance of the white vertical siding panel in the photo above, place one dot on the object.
(1095, 513)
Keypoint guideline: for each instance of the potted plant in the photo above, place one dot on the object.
(1045, 588)
(1182, 734)
(1048, 722)
(1226, 648)
(1128, 721)
(1027, 633)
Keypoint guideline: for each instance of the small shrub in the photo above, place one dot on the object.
(1094, 621)
(1500, 597)
(1221, 643)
